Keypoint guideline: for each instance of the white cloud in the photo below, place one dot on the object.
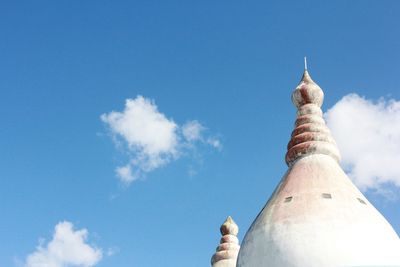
(67, 248)
(143, 127)
(125, 173)
(151, 139)
(192, 131)
(214, 142)
(112, 251)
(368, 136)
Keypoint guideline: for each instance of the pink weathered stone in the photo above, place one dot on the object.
(310, 127)
(309, 118)
(307, 92)
(311, 135)
(309, 109)
(225, 258)
(228, 246)
(229, 239)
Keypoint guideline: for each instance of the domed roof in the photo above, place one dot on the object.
(316, 216)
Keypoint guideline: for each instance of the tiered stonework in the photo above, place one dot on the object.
(311, 135)
(316, 216)
(228, 249)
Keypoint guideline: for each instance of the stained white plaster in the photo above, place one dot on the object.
(313, 231)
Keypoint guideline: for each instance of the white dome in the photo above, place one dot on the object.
(317, 217)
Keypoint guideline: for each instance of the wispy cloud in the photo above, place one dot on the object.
(151, 139)
(192, 131)
(368, 135)
(68, 247)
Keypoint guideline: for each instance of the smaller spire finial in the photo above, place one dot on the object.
(229, 227)
(305, 63)
(228, 249)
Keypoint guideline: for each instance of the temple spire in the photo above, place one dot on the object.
(316, 217)
(311, 135)
(228, 249)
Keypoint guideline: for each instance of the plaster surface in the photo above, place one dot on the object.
(301, 226)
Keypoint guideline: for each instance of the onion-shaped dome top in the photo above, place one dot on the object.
(307, 92)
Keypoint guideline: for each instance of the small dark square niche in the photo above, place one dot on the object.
(288, 199)
(326, 195)
(362, 201)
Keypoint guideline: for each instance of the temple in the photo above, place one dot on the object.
(316, 216)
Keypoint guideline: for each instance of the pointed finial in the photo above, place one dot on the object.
(305, 63)
(307, 92)
(228, 249)
(229, 227)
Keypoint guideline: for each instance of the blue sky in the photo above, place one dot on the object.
(229, 65)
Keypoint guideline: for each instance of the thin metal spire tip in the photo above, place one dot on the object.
(305, 63)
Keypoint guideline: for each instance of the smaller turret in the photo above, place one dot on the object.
(228, 249)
